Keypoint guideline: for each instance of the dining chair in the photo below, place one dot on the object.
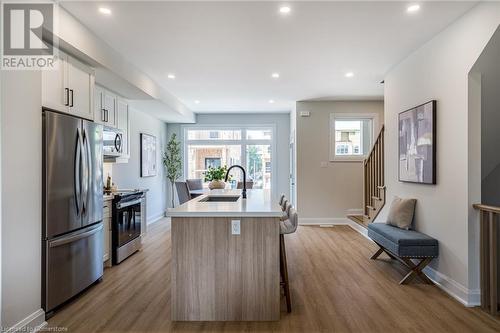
(182, 192)
(249, 185)
(287, 227)
(194, 184)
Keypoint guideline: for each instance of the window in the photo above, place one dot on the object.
(212, 162)
(351, 136)
(250, 146)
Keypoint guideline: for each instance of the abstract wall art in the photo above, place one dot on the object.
(417, 144)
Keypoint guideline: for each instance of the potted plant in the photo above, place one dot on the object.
(173, 162)
(215, 176)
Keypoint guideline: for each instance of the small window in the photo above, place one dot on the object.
(351, 137)
(212, 162)
(213, 134)
(268, 167)
(259, 134)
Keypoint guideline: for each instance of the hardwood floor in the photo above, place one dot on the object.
(334, 287)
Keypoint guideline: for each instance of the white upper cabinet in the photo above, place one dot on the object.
(81, 89)
(105, 107)
(122, 123)
(69, 88)
(55, 93)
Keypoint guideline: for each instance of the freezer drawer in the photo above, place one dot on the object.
(74, 262)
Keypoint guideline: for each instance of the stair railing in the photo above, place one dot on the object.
(489, 220)
(374, 178)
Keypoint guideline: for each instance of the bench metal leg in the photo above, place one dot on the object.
(377, 254)
(416, 270)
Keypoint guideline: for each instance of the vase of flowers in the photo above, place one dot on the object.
(215, 176)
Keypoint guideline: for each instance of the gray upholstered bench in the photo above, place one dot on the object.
(404, 245)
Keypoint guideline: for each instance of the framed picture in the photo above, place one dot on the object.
(148, 155)
(417, 144)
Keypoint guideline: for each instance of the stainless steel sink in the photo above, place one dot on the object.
(220, 198)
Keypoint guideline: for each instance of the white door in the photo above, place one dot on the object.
(55, 90)
(122, 123)
(81, 89)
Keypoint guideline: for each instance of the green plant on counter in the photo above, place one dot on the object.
(217, 173)
(173, 162)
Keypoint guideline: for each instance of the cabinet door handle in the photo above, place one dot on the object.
(72, 99)
(67, 96)
(103, 115)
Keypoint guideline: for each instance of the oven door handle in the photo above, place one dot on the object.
(128, 203)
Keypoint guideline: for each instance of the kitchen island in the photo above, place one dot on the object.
(225, 257)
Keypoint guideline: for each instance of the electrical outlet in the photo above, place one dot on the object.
(235, 227)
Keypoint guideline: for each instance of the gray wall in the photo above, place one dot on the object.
(127, 175)
(330, 192)
(488, 67)
(282, 123)
(439, 70)
(21, 133)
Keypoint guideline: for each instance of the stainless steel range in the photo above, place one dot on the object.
(126, 224)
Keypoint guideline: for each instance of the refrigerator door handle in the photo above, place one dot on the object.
(78, 183)
(73, 238)
(88, 169)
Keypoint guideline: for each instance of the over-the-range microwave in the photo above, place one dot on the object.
(112, 139)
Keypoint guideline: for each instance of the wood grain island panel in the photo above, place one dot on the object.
(217, 276)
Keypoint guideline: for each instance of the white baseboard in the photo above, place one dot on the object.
(32, 323)
(462, 294)
(324, 221)
(155, 218)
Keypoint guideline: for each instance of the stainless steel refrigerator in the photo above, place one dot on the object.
(72, 228)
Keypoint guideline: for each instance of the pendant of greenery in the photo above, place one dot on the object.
(173, 162)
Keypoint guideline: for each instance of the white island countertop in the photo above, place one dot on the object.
(257, 204)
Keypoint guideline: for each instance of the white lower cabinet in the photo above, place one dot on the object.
(106, 219)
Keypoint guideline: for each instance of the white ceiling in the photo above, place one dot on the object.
(223, 53)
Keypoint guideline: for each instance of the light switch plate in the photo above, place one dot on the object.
(235, 227)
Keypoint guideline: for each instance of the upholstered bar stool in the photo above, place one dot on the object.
(283, 204)
(282, 198)
(286, 227)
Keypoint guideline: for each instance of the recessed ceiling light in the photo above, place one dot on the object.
(413, 8)
(104, 10)
(349, 74)
(197, 102)
(271, 101)
(285, 10)
(171, 76)
(275, 75)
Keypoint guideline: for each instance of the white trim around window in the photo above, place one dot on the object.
(374, 117)
(243, 142)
